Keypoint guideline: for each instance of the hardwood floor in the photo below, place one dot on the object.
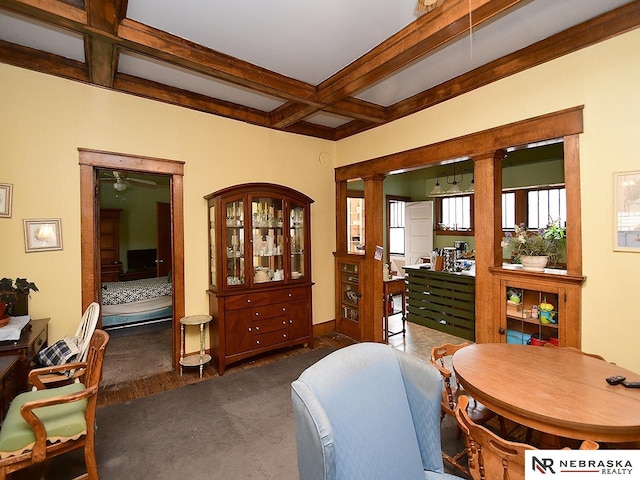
(418, 341)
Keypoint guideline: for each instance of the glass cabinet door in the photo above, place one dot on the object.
(267, 230)
(234, 239)
(298, 241)
(213, 276)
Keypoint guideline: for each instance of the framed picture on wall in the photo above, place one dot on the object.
(42, 235)
(6, 196)
(627, 211)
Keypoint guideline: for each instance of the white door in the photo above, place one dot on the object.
(418, 240)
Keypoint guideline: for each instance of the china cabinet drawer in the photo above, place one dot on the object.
(249, 300)
(269, 339)
(269, 324)
(289, 295)
(268, 311)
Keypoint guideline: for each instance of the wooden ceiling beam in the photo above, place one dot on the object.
(359, 109)
(312, 130)
(101, 51)
(51, 11)
(31, 59)
(176, 96)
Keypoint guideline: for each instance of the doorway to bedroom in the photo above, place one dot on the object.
(135, 259)
(121, 243)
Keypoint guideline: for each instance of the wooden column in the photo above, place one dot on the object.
(341, 217)
(574, 212)
(372, 287)
(488, 234)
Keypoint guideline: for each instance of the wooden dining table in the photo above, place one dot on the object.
(552, 390)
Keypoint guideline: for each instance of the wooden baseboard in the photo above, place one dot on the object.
(324, 327)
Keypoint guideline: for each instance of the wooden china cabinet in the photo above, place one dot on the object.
(259, 270)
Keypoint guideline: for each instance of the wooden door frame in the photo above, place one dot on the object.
(92, 160)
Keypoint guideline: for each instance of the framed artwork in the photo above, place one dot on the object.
(6, 196)
(627, 211)
(42, 235)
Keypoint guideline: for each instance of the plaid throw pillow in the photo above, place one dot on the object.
(61, 352)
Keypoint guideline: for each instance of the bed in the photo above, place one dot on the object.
(136, 302)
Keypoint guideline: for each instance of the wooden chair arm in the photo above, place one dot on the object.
(36, 373)
(40, 446)
(444, 371)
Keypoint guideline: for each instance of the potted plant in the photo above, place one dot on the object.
(16, 295)
(534, 249)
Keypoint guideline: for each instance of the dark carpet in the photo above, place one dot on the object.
(238, 426)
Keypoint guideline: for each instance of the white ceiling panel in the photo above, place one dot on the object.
(41, 36)
(302, 39)
(328, 119)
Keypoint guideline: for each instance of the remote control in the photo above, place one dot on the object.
(631, 384)
(617, 380)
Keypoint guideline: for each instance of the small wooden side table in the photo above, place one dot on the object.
(195, 359)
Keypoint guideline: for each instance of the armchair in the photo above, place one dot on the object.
(44, 423)
(368, 411)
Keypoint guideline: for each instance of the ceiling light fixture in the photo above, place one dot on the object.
(472, 186)
(119, 185)
(425, 6)
(455, 185)
(437, 189)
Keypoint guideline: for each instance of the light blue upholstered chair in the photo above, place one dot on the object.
(368, 412)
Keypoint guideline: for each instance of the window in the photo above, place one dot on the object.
(396, 227)
(455, 214)
(546, 206)
(508, 210)
(535, 208)
(355, 223)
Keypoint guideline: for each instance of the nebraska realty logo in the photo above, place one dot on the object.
(590, 464)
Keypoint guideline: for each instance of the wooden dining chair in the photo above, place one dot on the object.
(441, 358)
(82, 339)
(576, 350)
(50, 421)
(490, 456)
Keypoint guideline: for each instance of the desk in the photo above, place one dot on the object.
(394, 286)
(8, 382)
(33, 339)
(551, 390)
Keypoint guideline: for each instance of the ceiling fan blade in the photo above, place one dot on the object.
(140, 180)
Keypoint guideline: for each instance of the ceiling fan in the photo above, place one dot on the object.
(121, 183)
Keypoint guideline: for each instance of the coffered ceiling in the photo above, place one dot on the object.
(327, 69)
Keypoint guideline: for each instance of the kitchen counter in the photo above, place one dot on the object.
(444, 301)
(426, 266)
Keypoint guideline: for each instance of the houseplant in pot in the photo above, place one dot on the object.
(535, 249)
(16, 295)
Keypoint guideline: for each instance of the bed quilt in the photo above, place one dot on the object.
(117, 293)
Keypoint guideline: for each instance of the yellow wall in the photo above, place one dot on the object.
(604, 78)
(43, 121)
